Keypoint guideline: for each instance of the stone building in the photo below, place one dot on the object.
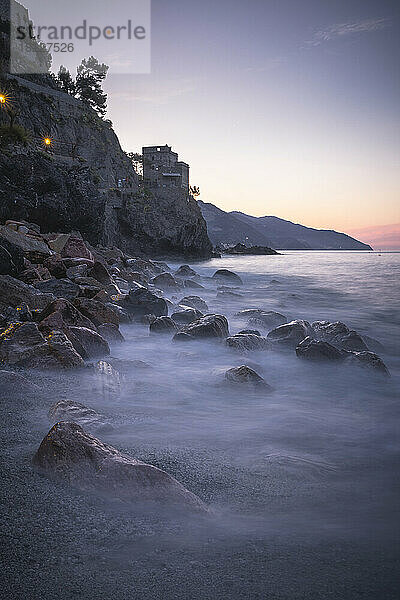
(161, 168)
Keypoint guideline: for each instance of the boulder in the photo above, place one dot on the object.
(249, 332)
(25, 346)
(292, 333)
(68, 410)
(56, 266)
(189, 315)
(69, 453)
(194, 302)
(77, 271)
(34, 249)
(268, 319)
(69, 245)
(87, 342)
(185, 271)
(100, 273)
(61, 314)
(123, 315)
(317, 350)
(247, 342)
(227, 276)
(20, 314)
(14, 292)
(163, 325)
(368, 360)
(165, 281)
(7, 264)
(143, 302)
(339, 335)
(111, 333)
(96, 311)
(34, 273)
(211, 326)
(60, 288)
(245, 375)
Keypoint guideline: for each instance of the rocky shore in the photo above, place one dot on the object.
(62, 302)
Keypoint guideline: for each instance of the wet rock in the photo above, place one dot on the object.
(14, 292)
(123, 315)
(194, 302)
(318, 351)
(96, 311)
(292, 333)
(7, 264)
(163, 325)
(247, 342)
(20, 314)
(245, 375)
(268, 319)
(100, 273)
(34, 249)
(61, 314)
(69, 245)
(227, 276)
(211, 326)
(189, 315)
(143, 302)
(368, 360)
(249, 332)
(69, 453)
(85, 282)
(77, 271)
(68, 410)
(339, 335)
(56, 266)
(89, 343)
(25, 346)
(165, 281)
(60, 288)
(34, 273)
(185, 271)
(111, 333)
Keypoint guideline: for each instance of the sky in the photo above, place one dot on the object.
(281, 107)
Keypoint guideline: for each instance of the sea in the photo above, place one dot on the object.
(302, 481)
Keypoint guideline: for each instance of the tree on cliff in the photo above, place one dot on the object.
(90, 75)
(65, 81)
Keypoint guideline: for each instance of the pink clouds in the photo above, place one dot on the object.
(380, 237)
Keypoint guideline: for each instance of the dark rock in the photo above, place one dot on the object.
(33, 249)
(34, 273)
(69, 245)
(194, 302)
(249, 332)
(165, 281)
(61, 314)
(181, 336)
(318, 351)
(163, 325)
(7, 265)
(339, 335)
(20, 314)
(60, 288)
(268, 319)
(291, 333)
(96, 311)
(245, 375)
(69, 453)
(14, 293)
(111, 333)
(250, 250)
(123, 315)
(143, 302)
(77, 271)
(211, 326)
(68, 410)
(247, 342)
(225, 275)
(185, 271)
(186, 316)
(368, 360)
(25, 346)
(56, 266)
(100, 273)
(90, 343)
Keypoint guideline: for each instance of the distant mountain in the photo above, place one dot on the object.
(233, 227)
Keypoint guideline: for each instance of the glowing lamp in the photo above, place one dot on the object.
(47, 141)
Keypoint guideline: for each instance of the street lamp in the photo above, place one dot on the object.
(4, 100)
(47, 142)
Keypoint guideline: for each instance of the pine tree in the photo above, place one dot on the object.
(90, 75)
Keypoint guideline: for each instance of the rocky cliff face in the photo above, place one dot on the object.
(86, 182)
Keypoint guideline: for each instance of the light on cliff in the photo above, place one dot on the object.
(47, 142)
(4, 100)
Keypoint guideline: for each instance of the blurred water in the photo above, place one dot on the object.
(302, 480)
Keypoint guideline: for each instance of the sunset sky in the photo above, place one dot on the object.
(286, 108)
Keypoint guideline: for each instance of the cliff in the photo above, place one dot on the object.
(86, 182)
